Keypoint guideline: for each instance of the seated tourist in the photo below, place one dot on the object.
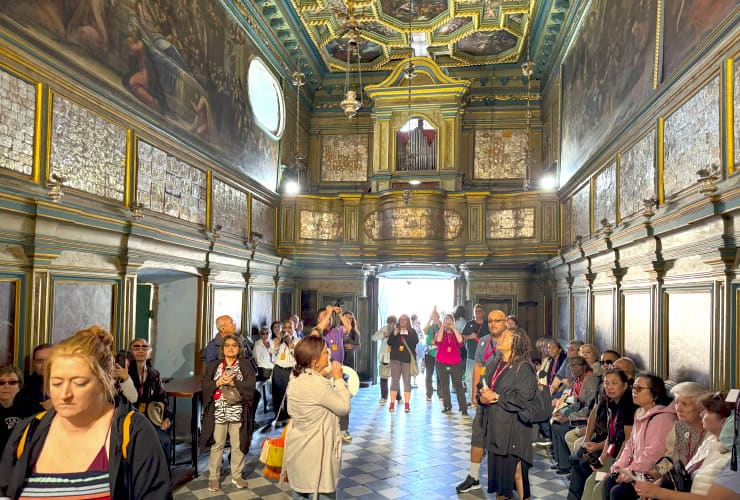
(13, 406)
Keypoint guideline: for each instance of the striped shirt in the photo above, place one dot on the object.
(225, 412)
(89, 485)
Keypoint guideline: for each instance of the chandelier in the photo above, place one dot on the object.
(528, 70)
(350, 104)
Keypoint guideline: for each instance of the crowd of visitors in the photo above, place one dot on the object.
(611, 430)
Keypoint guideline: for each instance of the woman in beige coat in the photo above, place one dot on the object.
(313, 446)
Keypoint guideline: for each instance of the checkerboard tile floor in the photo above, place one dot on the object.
(422, 454)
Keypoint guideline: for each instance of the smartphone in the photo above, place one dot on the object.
(121, 358)
(231, 369)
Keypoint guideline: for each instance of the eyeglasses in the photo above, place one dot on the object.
(606, 362)
(139, 347)
(9, 382)
(638, 389)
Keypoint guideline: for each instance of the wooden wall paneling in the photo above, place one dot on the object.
(636, 318)
(580, 316)
(79, 303)
(603, 319)
(689, 314)
(563, 317)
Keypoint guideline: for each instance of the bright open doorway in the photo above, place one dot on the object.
(414, 296)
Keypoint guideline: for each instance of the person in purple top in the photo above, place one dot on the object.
(334, 337)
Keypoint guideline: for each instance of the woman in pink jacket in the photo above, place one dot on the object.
(654, 419)
(450, 364)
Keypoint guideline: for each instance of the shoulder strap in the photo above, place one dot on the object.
(126, 434)
(26, 432)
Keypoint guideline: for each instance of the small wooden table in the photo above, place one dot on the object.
(190, 388)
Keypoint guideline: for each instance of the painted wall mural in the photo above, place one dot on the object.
(87, 150)
(599, 95)
(510, 223)
(17, 109)
(183, 61)
(316, 225)
(168, 185)
(605, 196)
(230, 208)
(344, 158)
(403, 223)
(500, 154)
(686, 25)
(637, 175)
(580, 212)
(692, 139)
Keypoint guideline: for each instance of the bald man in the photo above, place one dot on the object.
(225, 326)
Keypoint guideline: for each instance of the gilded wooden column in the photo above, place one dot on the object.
(38, 330)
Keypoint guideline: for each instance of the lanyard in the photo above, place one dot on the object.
(488, 353)
(612, 426)
(577, 386)
(497, 373)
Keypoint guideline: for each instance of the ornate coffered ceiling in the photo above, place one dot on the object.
(315, 34)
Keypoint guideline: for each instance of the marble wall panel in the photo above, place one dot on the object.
(263, 222)
(229, 301)
(580, 316)
(414, 223)
(566, 218)
(637, 175)
(230, 208)
(563, 305)
(605, 196)
(344, 158)
(603, 321)
(80, 305)
(8, 291)
(637, 338)
(690, 336)
(88, 151)
(500, 154)
(692, 139)
(315, 225)
(261, 309)
(736, 94)
(168, 185)
(509, 224)
(17, 110)
(580, 214)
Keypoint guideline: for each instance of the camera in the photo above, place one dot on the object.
(121, 357)
(339, 302)
(593, 460)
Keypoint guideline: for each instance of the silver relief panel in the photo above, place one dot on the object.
(605, 196)
(344, 158)
(692, 139)
(580, 212)
(17, 108)
(88, 151)
(168, 185)
(500, 154)
(637, 175)
(509, 224)
(320, 225)
(230, 208)
(263, 222)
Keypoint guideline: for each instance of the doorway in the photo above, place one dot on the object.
(414, 296)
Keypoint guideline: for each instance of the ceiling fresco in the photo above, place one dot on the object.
(457, 32)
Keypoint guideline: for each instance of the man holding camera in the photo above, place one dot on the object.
(283, 363)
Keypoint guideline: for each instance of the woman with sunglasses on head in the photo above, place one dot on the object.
(708, 460)
(13, 406)
(84, 443)
(223, 415)
(655, 418)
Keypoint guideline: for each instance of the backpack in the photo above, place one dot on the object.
(31, 427)
(541, 408)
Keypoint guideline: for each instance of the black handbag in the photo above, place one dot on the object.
(675, 476)
(541, 408)
(231, 394)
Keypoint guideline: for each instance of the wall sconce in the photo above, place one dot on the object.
(606, 228)
(706, 180)
(648, 205)
(407, 196)
(55, 192)
(137, 211)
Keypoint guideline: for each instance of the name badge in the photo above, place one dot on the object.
(142, 407)
(400, 348)
(334, 347)
(389, 348)
(483, 371)
(282, 357)
(611, 449)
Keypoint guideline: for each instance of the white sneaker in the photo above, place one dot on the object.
(346, 437)
(382, 401)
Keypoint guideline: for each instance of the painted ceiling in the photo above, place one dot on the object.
(457, 32)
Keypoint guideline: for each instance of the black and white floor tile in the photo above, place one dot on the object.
(421, 454)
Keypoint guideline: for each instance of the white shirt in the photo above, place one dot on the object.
(262, 355)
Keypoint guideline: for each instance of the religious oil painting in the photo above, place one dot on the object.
(687, 24)
(487, 43)
(369, 51)
(405, 11)
(183, 62)
(599, 94)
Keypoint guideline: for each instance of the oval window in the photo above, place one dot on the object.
(266, 99)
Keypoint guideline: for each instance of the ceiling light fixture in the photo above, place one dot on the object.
(351, 104)
(291, 184)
